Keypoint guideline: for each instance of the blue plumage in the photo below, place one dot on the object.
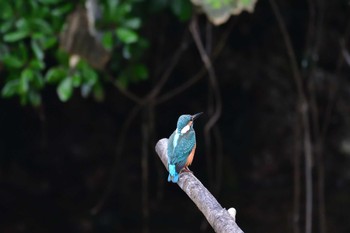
(181, 146)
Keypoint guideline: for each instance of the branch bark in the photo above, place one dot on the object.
(219, 218)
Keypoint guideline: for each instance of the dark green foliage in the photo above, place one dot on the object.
(182, 9)
(31, 58)
(28, 34)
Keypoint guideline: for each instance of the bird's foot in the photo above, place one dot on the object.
(185, 169)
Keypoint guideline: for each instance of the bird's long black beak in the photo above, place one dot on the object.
(195, 116)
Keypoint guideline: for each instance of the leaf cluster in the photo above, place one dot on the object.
(28, 36)
(31, 56)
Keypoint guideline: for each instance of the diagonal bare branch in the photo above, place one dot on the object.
(218, 217)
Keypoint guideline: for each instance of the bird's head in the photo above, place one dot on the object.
(185, 122)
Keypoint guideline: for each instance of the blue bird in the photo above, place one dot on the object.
(181, 146)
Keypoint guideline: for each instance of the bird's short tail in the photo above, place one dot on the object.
(173, 175)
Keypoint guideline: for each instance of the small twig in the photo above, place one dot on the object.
(345, 54)
(212, 76)
(155, 91)
(171, 94)
(219, 218)
(290, 50)
(297, 176)
(124, 91)
(308, 168)
(200, 74)
(178, 53)
(214, 117)
(314, 38)
(208, 37)
(333, 88)
(223, 39)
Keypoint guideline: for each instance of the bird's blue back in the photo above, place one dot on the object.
(179, 148)
(184, 146)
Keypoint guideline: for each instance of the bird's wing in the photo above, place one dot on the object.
(183, 149)
(171, 147)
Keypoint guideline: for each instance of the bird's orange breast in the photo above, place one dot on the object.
(191, 156)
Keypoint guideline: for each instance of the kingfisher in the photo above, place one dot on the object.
(181, 146)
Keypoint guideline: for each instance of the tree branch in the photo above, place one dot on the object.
(214, 100)
(200, 74)
(219, 218)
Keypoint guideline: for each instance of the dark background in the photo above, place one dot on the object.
(57, 162)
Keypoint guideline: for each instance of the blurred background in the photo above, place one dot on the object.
(89, 87)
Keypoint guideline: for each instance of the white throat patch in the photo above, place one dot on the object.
(185, 129)
(177, 134)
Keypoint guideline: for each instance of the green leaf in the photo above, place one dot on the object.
(15, 36)
(23, 99)
(34, 5)
(4, 51)
(49, 1)
(98, 92)
(6, 26)
(37, 50)
(12, 61)
(23, 86)
(126, 35)
(158, 5)
(122, 10)
(25, 79)
(37, 35)
(48, 42)
(219, 11)
(107, 40)
(76, 79)
(89, 75)
(22, 24)
(55, 74)
(35, 98)
(65, 89)
(126, 52)
(112, 4)
(36, 64)
(140, 71)
(133, 23)
(215, 4)
(182, 9)
(22, 51)
(38, 80)
(61, 10)
(62, 57)
(122, 81)
(6, 10)
(27, 74)
(11, 88)
(41, 26)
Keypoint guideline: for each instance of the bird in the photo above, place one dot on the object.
(181, 146)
